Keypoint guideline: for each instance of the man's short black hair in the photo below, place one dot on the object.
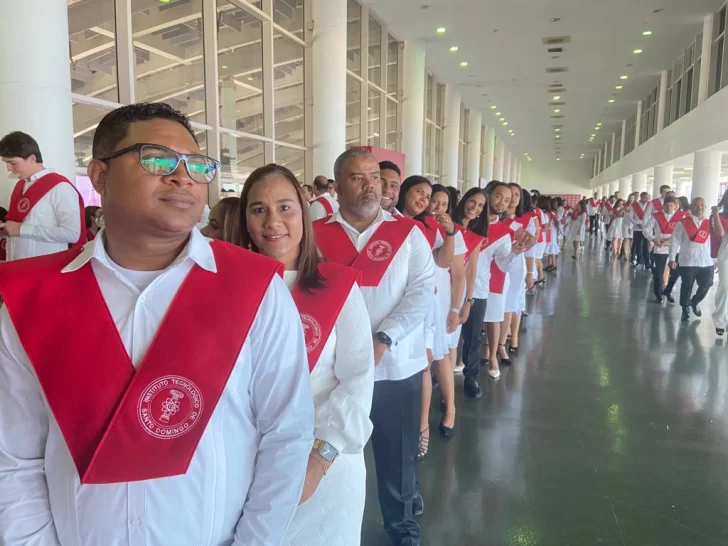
(670, 199)
(115, 126)
(321, 183)
(18, 144)
(391, 166)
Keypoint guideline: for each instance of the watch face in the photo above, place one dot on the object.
(327, 451)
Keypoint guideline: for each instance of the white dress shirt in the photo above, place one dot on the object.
(50, 226)
(397, 306)
(652, 231)
(317, 209)
(650, 210)
(692, 254)
(245, 479)
(637, 222)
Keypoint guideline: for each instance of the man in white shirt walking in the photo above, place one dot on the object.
(691, 239)
(397, 284)
(46, 212)
(592, 210)
(146, 392)
(324, 205)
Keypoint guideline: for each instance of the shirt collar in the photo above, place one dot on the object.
(39, 175)
(198, 249)
(383, 216)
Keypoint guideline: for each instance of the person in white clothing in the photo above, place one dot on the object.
(323, 204)
(638, 217)
(616, 229)
(576, 228)
(206, 442)
(592, 210)
(397, 284)
(719, 224)
(691, 239)
(658, 231)
(274, 221)
(46, 212)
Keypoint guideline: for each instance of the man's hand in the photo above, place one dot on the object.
(673, 265)
(453, 321)
(379, 350)
(465, 312)
(714, 211)
(10, 229)
(314, 474)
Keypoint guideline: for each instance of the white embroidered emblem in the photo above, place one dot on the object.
(311, 332)
(23, 205)
(170, 407)
(379, 251)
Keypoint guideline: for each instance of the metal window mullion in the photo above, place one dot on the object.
(125, 55)
(269, 109)
(436, 161)
(212, 93)
(384, 71)
(364, 104)
(400, 94)
(308, 90)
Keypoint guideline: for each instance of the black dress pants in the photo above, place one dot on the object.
(674, 276)
(690, 275)
(639, 248)
(658, 271)
(593, 224)
(396, 418)
(473, 339)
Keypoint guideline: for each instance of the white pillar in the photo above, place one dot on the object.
(639, 182)
(706, 177)
(328, 60)
(624, 139)
(514, 168)
(475, 131)
(614, 145)
(638, 126)
(663, 177)
(707, 47)
(500, 155)
(599, 161)
(606, 154)
(518, 172)
(613, 187)
(625, 187)
(413, 106)
(35, 82)
(682, 189)
(489, 159)
(229, 116)
(506, 166)
(661, 100)
(451, 136)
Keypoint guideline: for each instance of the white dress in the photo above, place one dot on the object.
(615, 228)
(553, 247)
(516, 294)
(720, 316)
(576, 229)
(627, 228)
(443, 282)
(342, 384)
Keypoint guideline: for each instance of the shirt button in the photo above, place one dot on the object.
(142, 299)
(135, 521)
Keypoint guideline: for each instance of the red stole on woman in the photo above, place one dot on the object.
(696, 234)
(320, 307)
(374, 259)
(22, 203)
(123, 424)
(539, 220)
(429, 228)
(496, 231)
(472, 240)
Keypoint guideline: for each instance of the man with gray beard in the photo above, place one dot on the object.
(397, 284)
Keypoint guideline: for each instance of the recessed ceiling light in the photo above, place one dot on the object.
(557, 130)
(597, 128)
(556, 111)
(505, 124)
(502, 119)
(593, 135)
(599, 124)
(497, 113)
(454, 48)
(464, 63)
(558, 159)
(250, 78)
(637, 51)
(441, 30)
(623, 77)
(647, 33)
(620, 87)
(493, 107)
(224, 66)
(557, 136)
(557, 97)
(610, 101)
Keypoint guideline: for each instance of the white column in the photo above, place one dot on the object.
(500, 155)
(663, 177)
(614, 145)
(506, 167)
(706, 177)
(514, 168)
(639, 182)
(413, 106)
(638, 126)
(624, 139)
(475, 132)
(599, 161)
(328, 59)
(518, 172)
(625, 187)
(594, 167)
(451, 136)
(35, 81)
(613, 187)
(228, 114)
(661, 99)
(682, 189)
(705, 60)
(606, 154)
(489, 159)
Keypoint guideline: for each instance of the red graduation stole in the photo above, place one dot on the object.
(539, 219)
(429, 228)
(324, 203)
(121, 424)
(715, 241)
(320, 308)
(595, 204)
(496, 232)
(696, 235)
(514, 224)
(667, 227)
(657, 205)
(472, 240)
(374, 259)
(22, 203)
(609, 207)
(638, 210)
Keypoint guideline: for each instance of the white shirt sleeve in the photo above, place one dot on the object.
(410, 311)
(64, 200)
(317, 211)
(649, 230)
(676, 240)
(503, 254)
(282, 404)
(460, 246)
(25, 513)
(343, 419)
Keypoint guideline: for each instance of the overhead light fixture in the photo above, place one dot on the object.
(599, 124)
(557, 130)
(647, 33)
(597, 128)
(637, 51)
(619, 87)
(505, 124)
(224, 66)
(623, 77)
(441, 30)
(593, 135)
(558, 159)
(250, 78)
(502, 119)
(610, 101)
(454, 48)
(464, 64)
(497, 113)
(557, 97)
(556, 111)
(493, 107)
(557, 136)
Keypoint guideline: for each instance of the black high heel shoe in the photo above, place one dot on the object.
(513, 350)
(503, 360)
(446, 432)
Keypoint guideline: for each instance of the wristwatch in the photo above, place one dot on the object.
(384, 338)
(451, 233)
(325, 450)
(469, 300)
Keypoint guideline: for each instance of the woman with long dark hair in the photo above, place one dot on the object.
(576, 227)
(275, 222)
(543, 210)
(616, 229)
(553, 247)
(719, 225)
(627, 232)
(224, 220)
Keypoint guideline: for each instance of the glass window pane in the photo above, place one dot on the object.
(391, 143)
(240, 67)
(375, 52)
(393, 68)
(292, 159)
(353, 111)
(428, 166)
(168, 47)
(288, 89)
(93, 52)
(239, 158)
(353, 37)
(440, 106)
(289, 15)
(438, 153)
(428, 98)
(373, 118)
(85, 120)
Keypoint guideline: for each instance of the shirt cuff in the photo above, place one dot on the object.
(26, 230)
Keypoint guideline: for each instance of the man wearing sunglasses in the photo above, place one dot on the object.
(154, 385)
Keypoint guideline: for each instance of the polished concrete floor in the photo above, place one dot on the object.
(611, 427)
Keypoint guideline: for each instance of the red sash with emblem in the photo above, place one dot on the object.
(123, 424)
(472, 240)
(496, 232)
(515, 224)
(639, 211)
(325, 204)
(695, 234)
(320, 308)
(374, 259)
(595, 204)
(667, 227)
(657, 205)
(22, 203)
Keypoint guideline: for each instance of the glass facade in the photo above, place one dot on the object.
(434, 122)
